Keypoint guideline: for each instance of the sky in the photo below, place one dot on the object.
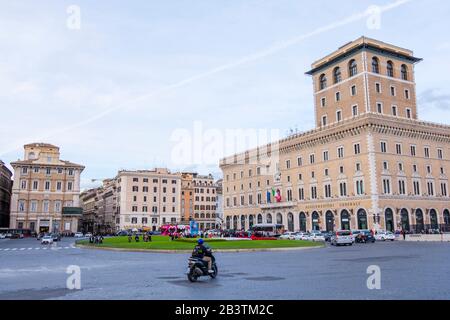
(142, 84)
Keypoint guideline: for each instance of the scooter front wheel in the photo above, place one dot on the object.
(216, 271)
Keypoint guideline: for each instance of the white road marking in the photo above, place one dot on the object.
(13, 249)
(21, 249)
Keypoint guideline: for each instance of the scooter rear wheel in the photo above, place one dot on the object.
(192, 277)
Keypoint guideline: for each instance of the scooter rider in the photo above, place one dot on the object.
(201, 251)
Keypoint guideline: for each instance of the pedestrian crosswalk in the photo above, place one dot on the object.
(27, 249)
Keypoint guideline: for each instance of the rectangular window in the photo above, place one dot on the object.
(299, 161)
(413, 150)
(288, 164)
(301, 194)
(394, 111)
(416, 186)
(338, 96)
(401, 187)
(46, 206)
(440, 154)
(430, 186)
(353, 91)
(408, 113)
(393, 93)
(359, 185)
(47, 185)
(357, 148)
(343, 189)
(378, 87)
(69, 186)
(340, 152)
(407, 94)
(398, 148)
(311, 158)
(339, 116)
(324, 120)
(386, 186)
(355, 110)
(443, 189)
(426, 152)
(33, 206)
(323, 102)
(379, 107)
(313, 192)
(327, 190)
(325, 156)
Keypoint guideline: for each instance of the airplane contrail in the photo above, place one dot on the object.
(274, 48)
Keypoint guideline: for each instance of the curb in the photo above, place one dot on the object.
(190, 251)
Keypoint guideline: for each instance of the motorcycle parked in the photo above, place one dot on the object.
(199, 268)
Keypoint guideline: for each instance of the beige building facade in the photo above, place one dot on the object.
(205, 197)
(148, 199)
(46, 189)
(370, 163)
(5, 194)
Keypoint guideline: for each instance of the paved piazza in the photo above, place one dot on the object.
(409, 270)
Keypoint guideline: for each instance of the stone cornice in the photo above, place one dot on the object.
(369, 121)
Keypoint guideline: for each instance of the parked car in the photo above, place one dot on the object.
(327, 235)
(287, 236)
(343, 237)
(47, 240)
(88, 235)
(79, 235)
(315, 237)
(56, 237)
(301, 236)
(385, 235)
(17, 236)
(2, 236)
(122, 233)
(355, 233)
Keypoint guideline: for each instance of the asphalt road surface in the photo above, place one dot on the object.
(409, 270)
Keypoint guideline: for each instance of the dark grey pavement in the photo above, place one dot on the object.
(409, 270)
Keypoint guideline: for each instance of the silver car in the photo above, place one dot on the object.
(342, 237)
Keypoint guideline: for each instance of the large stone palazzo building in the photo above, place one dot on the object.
(46, 190)
(370, 163)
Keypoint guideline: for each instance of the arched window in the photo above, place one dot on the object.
(235, 222)
(337, 76)
(302, 218)
(290, 222)
(389, 220)
(250, 221)
(446, 220)
(434, 224)
(404, 220)
(390, 69)
(404, 72)
(279, 218)
(419, 221)
(315, 221)
(362, 219)
(322, 82)
(345, 220)
(330, 221)
(228, 222)
(352, 68)
(375, 65)
(260, 218)
(269, 218)
(242, 222)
